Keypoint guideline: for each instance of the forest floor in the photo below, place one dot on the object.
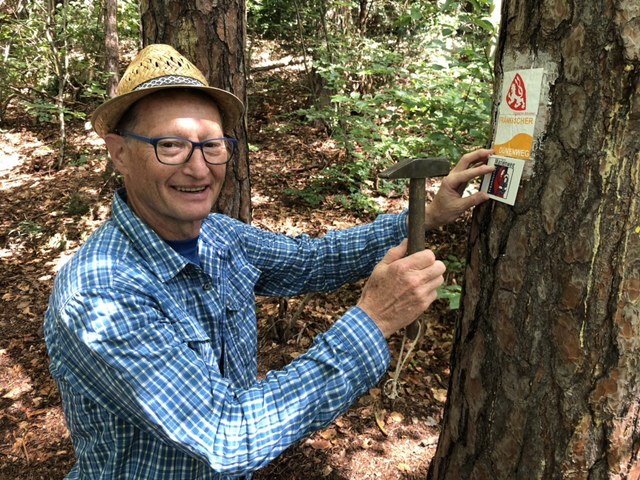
(48, 213)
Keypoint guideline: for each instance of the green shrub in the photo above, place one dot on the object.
(421, 87)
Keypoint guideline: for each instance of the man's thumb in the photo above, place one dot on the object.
(396, 253)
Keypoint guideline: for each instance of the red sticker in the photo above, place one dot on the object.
(517, 96)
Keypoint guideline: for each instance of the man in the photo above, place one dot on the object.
(151, 327)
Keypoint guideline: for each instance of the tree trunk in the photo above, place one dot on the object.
(544, 378)
(57, 38)
(112, 48)
(212, 35)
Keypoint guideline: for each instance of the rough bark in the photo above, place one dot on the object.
(545, 365)
(212, 35)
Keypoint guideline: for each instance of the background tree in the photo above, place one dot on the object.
(212, 35)
(544, 380)
(112, 45)
(58, 55)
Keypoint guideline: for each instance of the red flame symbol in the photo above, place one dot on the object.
(517, 95)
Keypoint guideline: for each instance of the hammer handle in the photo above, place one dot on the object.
(416, 214)
(416, 231)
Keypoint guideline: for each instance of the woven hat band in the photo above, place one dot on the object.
(170, 80)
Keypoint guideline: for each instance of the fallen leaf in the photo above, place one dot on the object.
(366, 443)
(328, 434)
(319, 443)
(395, 417)
(431, 422)
(440, 394)
(16, 392)
(429, 441)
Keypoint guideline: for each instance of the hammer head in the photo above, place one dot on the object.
(418, 168)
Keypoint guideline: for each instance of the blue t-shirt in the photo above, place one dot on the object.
(187, 248)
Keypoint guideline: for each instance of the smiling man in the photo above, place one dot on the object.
(172, 181)
(151, 327)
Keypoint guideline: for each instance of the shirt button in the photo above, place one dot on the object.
(206, 286)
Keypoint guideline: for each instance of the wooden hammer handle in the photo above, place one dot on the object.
(416, 231)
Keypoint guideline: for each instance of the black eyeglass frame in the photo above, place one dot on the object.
(155, 140)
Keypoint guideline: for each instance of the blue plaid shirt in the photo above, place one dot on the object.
(156, 358)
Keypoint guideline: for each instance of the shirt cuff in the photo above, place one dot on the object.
(403, 223)
(363, 337)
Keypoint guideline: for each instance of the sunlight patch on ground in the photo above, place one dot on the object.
(9, 162)
(30, 415)
(10, 158)
(258, 199)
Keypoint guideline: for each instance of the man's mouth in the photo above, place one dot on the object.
(191, 189)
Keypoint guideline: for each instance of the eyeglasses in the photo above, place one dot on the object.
(178, 150)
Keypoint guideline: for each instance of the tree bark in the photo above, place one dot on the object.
(212, 35)
(112, 46)
(544, 378)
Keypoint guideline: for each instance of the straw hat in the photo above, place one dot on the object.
(160, 67)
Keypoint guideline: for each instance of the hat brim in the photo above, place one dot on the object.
(106, 116)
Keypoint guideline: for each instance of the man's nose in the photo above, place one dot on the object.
(196, 163)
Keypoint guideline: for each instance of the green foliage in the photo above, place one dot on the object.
(44, 46)
(413, 80)
(451, 294)
(29, 230)
(313, 197)
(46, 111)
(271, 19)
(451, 291)
(343, 184)
(20, 31)
(129, 27)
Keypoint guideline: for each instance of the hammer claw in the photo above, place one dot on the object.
(418, 168)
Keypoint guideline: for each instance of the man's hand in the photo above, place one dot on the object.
(401, 288)
(448, 203)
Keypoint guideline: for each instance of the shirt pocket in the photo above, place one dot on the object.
(190, 333)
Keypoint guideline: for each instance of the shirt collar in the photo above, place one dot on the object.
(163, 260)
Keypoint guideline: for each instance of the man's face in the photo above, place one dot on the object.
(172, 200)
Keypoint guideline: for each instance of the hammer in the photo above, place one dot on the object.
(417, 170)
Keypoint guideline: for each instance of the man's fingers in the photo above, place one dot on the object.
(480, 155)
(465, 203)
(458, 180)
(416, 261)
(464, 176)
(437, 271)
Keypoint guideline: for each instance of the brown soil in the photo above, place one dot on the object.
(48, 213)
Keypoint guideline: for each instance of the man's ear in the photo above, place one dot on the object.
(117, 150)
